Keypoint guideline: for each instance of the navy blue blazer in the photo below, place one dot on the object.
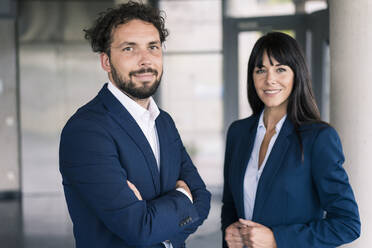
(101, 148)
(307, 202)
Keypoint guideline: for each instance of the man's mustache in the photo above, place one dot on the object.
(143, 70)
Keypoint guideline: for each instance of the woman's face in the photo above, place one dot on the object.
(273, 82)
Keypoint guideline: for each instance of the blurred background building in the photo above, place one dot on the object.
(47, 70)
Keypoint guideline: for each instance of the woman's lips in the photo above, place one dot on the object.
(272, 92)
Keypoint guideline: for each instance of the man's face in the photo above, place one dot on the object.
(135, 64)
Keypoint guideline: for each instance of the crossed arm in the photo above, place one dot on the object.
(91, 169)
(179, 184)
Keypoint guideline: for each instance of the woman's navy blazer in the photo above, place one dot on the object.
(305, 198)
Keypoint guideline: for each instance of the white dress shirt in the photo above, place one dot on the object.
(252, 173)
(145, 119)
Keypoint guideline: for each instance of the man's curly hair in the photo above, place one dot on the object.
(100, 35)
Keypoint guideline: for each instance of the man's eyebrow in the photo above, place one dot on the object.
(131, 43)
(127, 43)
(157, 42)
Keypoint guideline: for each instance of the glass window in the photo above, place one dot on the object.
(58, 74)
(191, 92)
(250, 8)
(193, 25)
(315, 5)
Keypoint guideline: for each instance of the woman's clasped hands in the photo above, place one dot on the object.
(246, 233)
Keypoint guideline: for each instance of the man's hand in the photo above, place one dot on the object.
(256, 235)
(135, 190)
(233, 237)
(183, 185)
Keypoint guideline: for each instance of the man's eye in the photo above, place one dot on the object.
(154, 47)
(128, 49)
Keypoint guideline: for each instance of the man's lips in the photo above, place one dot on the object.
(144, 76)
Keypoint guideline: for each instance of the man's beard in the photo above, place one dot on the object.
(129, 87)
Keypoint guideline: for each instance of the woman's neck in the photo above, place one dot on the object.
(272, 116)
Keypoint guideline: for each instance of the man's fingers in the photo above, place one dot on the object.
(183, 185)
(180, 183)
(135, 190)
(131, 185)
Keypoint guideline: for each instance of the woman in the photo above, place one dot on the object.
(284, 182)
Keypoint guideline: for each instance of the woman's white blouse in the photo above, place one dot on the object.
(252, 173)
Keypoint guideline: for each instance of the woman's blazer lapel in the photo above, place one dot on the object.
(273, 164)
(244, 153)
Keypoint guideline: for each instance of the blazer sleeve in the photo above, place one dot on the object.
(229, 212)
(201, 196)
(341, 223)
(89, 164)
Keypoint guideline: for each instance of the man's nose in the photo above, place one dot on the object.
(144, 58)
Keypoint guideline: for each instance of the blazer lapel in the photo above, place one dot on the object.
(273, 164)
(119, 113)
(165, 152)
(244, 153)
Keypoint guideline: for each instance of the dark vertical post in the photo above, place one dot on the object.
(11, 234)
(230, 69)
(10, 185)
(319, 26)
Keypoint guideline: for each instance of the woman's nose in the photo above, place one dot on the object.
(270, 77)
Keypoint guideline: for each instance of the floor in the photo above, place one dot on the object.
(42, 221)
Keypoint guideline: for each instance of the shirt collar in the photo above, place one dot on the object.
(278, 125)
(134, 109)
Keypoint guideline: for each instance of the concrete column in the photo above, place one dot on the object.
(351, 99)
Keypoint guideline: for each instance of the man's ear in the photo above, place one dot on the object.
(105, 62)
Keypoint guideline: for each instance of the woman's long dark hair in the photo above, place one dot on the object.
(302, 108)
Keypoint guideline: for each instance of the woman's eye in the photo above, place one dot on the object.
(260, 71)
(281, 70)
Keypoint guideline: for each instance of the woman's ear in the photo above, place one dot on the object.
(105, 62)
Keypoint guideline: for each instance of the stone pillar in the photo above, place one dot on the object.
(351, 99)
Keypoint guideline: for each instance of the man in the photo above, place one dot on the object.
(127, 177)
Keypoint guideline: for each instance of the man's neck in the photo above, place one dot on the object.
(144, 103)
